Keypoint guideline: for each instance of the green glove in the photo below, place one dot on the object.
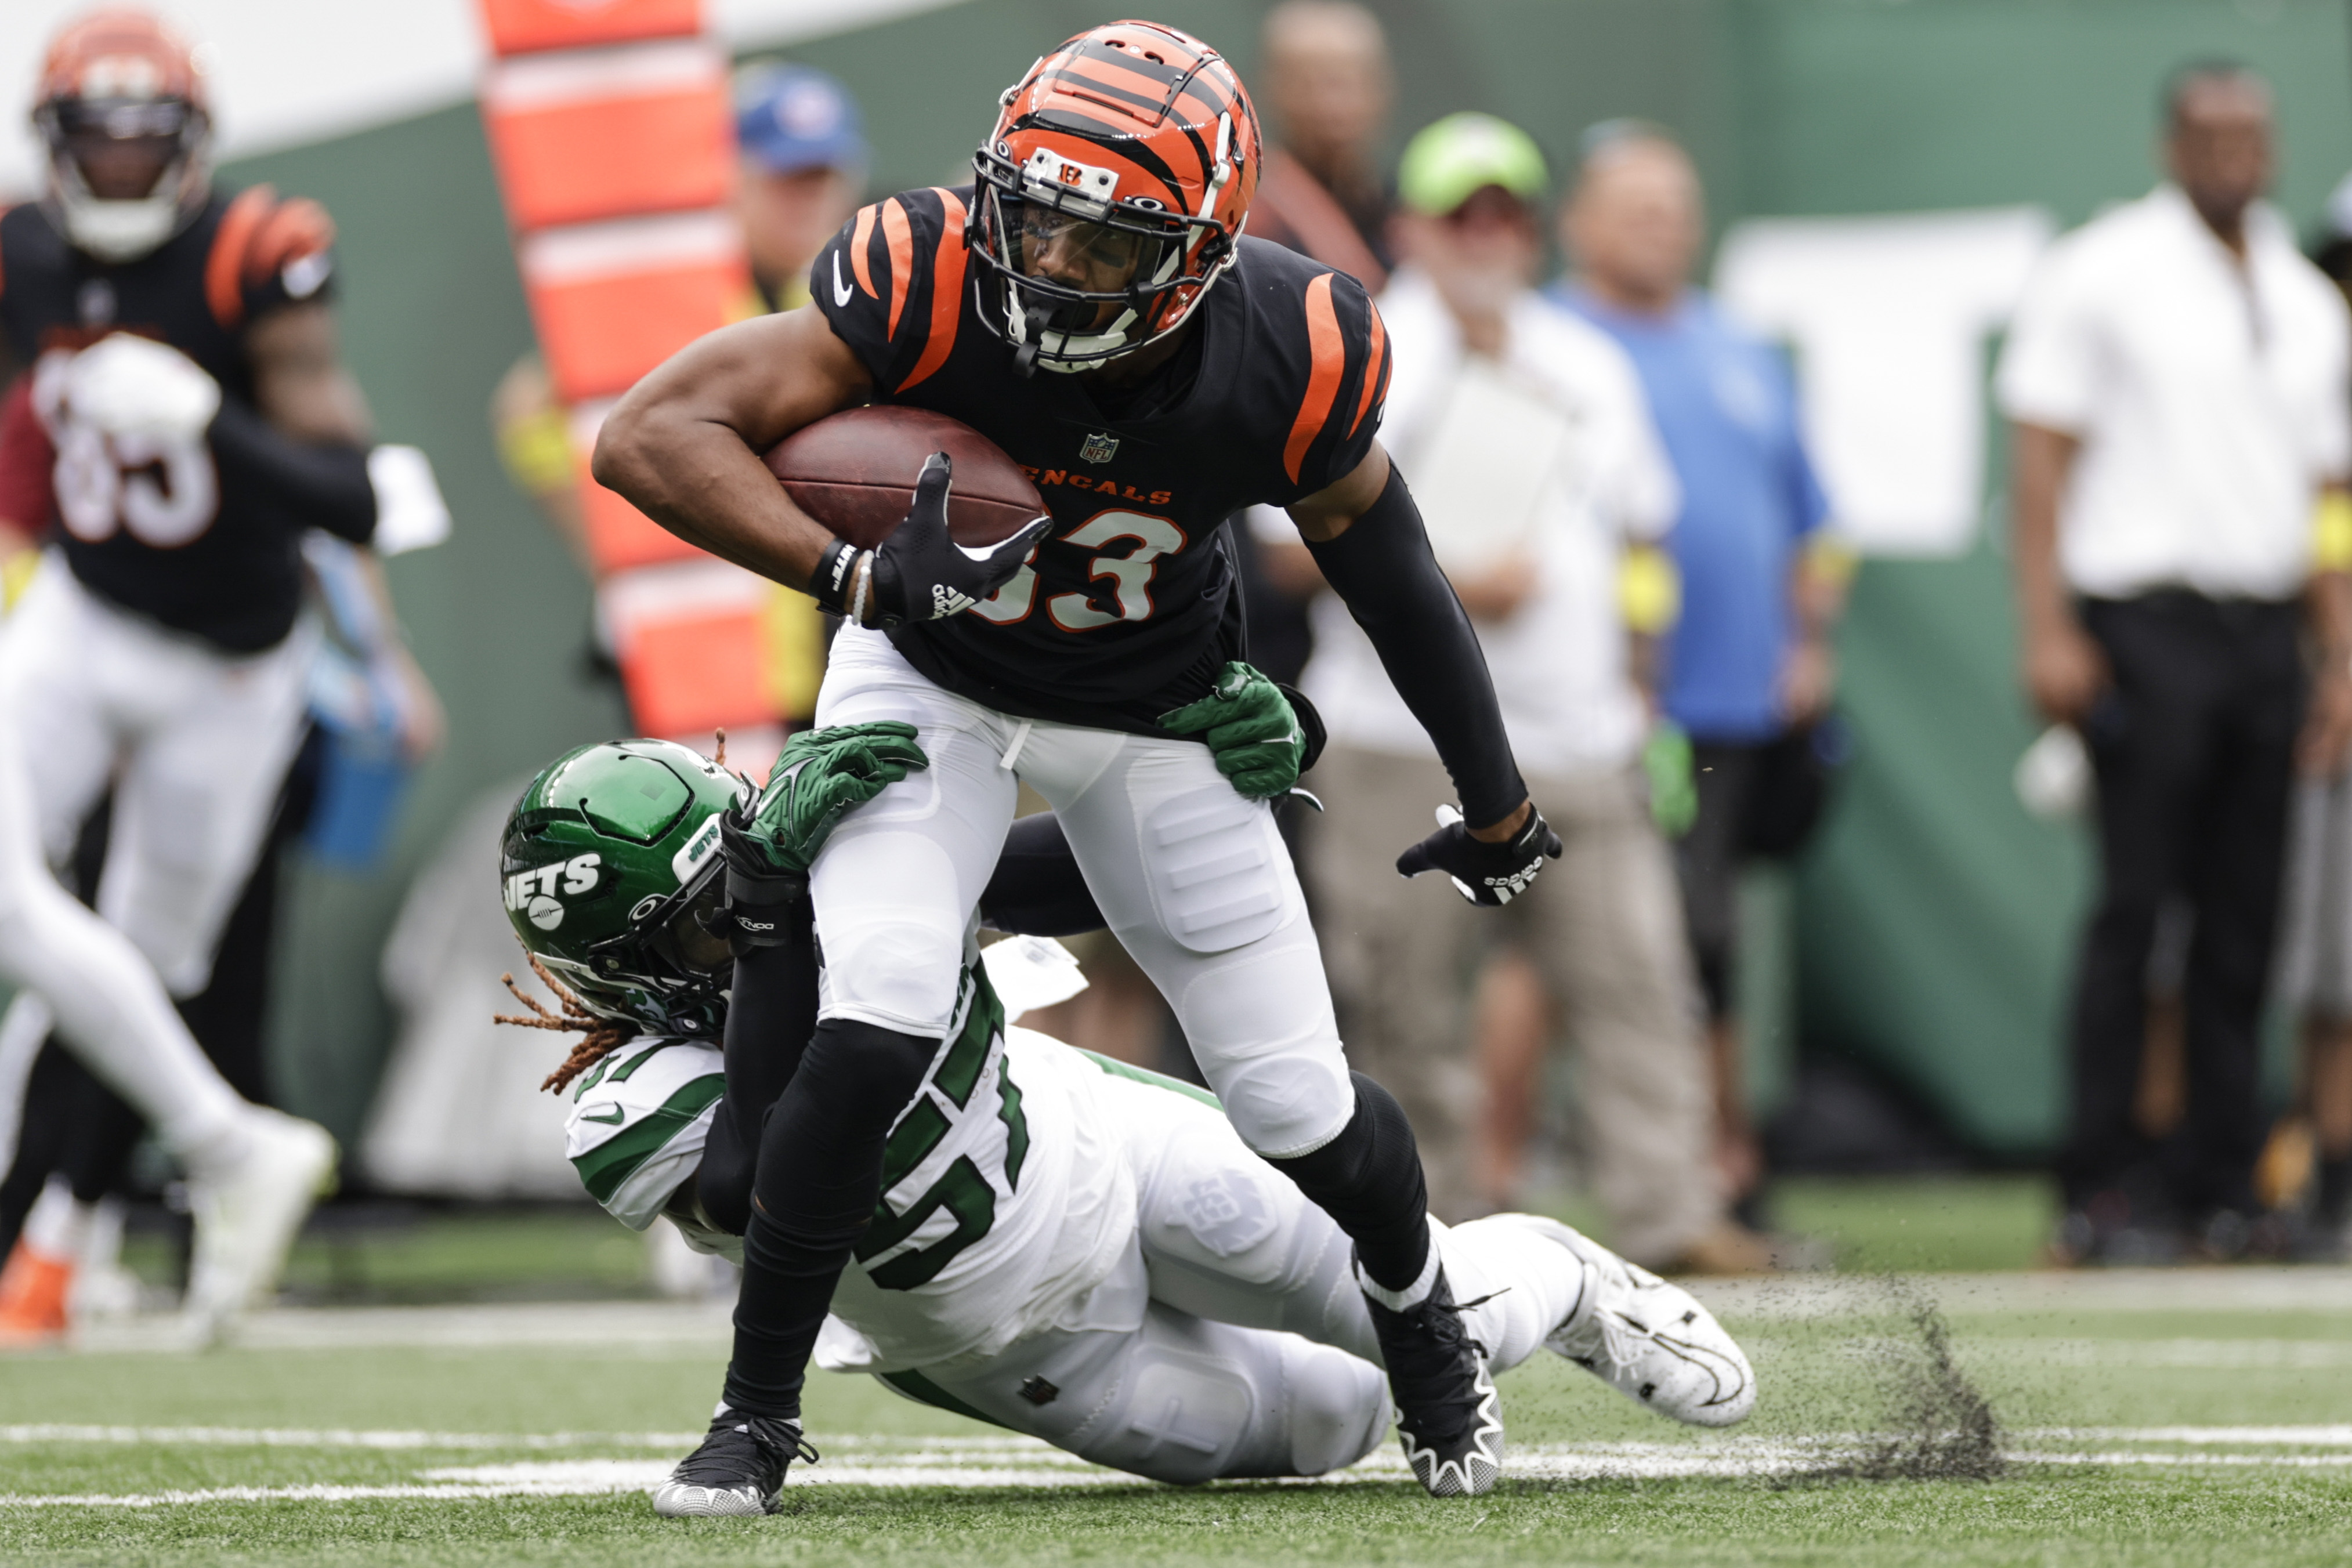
(1673, 792)
(821, 777)
(1251, 731)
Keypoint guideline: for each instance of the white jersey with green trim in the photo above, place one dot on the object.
(639, 1120)
(1004, 1199)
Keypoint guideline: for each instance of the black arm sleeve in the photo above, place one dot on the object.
(1038, 890)
(1382, 569)
(309, 486)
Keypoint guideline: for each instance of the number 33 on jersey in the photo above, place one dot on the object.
(1128, 609)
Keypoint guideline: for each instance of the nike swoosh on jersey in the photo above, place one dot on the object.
(615, 1120)
(840, 290)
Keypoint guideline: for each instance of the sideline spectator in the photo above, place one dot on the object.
(2309, 1156)
(802, 168)
(1748, 668)
(2177, 380)
(1326, 87)
(1536, 470)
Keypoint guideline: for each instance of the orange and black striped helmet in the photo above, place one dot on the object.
(1110, 194)
(114, 77)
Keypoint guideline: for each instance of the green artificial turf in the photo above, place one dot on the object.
(2084, 1382)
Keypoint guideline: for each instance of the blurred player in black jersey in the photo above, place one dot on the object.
(179, 379)
(1089, 305)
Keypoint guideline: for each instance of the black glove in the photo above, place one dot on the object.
(921, 574)
(767, 904)
(1487, 875)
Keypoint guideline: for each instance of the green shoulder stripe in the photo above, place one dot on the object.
(1156, 1080)
(603, 1168)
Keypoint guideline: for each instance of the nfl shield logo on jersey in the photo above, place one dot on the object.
(1099, 448)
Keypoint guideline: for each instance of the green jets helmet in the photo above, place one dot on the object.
(613, 877)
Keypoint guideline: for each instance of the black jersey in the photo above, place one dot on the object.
(177, 536)
(1129, 606)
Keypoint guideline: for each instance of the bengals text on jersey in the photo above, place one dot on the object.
(1128, 607)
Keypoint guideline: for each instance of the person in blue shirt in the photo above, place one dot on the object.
(1749, 659)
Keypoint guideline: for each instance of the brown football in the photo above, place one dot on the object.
(856, 471)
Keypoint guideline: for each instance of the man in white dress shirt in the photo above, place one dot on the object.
(1529, 441)
(2177, 381)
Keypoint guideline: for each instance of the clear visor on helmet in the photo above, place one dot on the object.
(667, 969)
(1078, 266)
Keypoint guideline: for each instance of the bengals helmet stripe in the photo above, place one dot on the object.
(857, 241)
(1132, 128)
(947, 288)
(1330, 352)
(1376, 368)
(901, 240)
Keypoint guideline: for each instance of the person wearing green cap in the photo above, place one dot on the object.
(1529, 441)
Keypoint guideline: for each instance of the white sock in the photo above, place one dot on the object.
(1412, 1295)
(57, 1223)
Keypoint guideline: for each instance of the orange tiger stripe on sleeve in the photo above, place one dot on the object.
(1330, 361)
(901, 239)
(297, 228)
(946, 290)
(1376, 367)
(859, 239)
(224, 266)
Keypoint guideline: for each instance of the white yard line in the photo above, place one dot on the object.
(992, 1463)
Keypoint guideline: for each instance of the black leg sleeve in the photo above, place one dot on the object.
(1037, 889)
(53, 1096)
(1383, 569)
(820, 1177)
(1368, 1180)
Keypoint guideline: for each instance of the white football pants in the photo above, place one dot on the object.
(1256, 1355)
(1192, 877)
(196, 743)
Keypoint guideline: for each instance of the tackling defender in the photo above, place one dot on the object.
(1065, 1246)
(1090, 306)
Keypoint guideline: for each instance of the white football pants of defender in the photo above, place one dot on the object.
(1256, 1355)
(196, 743)
(1191, 877)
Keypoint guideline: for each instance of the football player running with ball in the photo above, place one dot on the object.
(1090, 306)
(1065, 1246)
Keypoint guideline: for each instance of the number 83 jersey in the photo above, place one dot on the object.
(167, 529)
(1128, 607)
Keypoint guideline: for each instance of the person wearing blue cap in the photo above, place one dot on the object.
(803, 167)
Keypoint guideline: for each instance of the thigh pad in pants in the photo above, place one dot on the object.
(1182, 1400)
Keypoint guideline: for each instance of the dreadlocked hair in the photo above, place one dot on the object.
(600, 1037)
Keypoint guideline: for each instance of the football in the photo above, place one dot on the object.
(856, 471)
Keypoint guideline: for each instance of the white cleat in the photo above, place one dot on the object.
(1648, 1339)
(247, 1214)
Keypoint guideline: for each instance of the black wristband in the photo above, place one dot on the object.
(836, 576)
(770, 906)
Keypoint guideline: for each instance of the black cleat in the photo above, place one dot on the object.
(737, 1472)
(1448, 1417)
